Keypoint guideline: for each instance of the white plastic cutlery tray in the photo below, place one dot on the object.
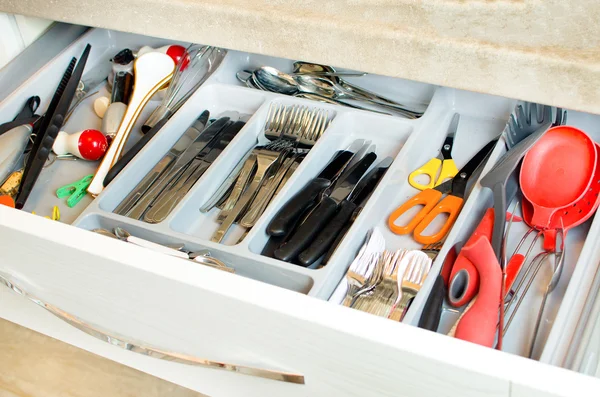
(409, 142)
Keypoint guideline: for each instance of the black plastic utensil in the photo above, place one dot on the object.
(336, 227)
(325, 210)
(305, 198)
(432, 310)
(55, 120)
(25, 116)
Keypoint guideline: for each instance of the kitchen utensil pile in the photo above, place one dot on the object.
(173, 176)
(559, 185)
(324, 84)
(133, 80)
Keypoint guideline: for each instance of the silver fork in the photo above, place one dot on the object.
(362, 266)
(285, 126)
(388, 289)
(411, 283)
(296, 124)
(362, 298)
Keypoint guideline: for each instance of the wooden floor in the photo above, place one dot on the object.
(34, 365)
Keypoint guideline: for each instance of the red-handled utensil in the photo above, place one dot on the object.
(87, 144)
(479, 323)
(464, 278)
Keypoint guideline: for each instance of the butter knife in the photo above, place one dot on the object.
(191, 134)
(172, 176)
(168, 199)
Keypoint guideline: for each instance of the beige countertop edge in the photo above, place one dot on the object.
(491, 48)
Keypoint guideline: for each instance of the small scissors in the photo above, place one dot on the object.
(442, 164)
(76, 190)
(434, 205)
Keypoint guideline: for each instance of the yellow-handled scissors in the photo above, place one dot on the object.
(440, 168)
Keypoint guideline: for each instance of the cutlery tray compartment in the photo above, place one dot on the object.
(579, 269)
(105, 44)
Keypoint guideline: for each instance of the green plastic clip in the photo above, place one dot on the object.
(76, 190)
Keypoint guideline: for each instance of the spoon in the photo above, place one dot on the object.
(320, 98)
(326, 87)
(123, 234)
(275, 81)
(271, 79)
(153, 71)
(307, 67)
(244, 75)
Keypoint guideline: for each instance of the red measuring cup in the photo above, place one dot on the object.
(557, 172)
(571, 216)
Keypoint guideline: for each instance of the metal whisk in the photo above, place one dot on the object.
(191, 72)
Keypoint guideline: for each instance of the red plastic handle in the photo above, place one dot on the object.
(462, 265)
(513, 267)
(479, 324)
(550, 240)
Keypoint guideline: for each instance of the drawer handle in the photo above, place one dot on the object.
(119, 341)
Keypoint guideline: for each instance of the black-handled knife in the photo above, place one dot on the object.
(326, 209)
(305, 198)
(331, 235)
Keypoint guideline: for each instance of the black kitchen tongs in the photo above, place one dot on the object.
(50, 125)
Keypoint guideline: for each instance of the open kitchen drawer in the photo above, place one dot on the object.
(272, 314)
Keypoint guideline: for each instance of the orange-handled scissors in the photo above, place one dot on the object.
(434, 205)
(441, 167)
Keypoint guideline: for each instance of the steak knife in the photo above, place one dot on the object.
(305, 198)
(325, 210)
(336, 227)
